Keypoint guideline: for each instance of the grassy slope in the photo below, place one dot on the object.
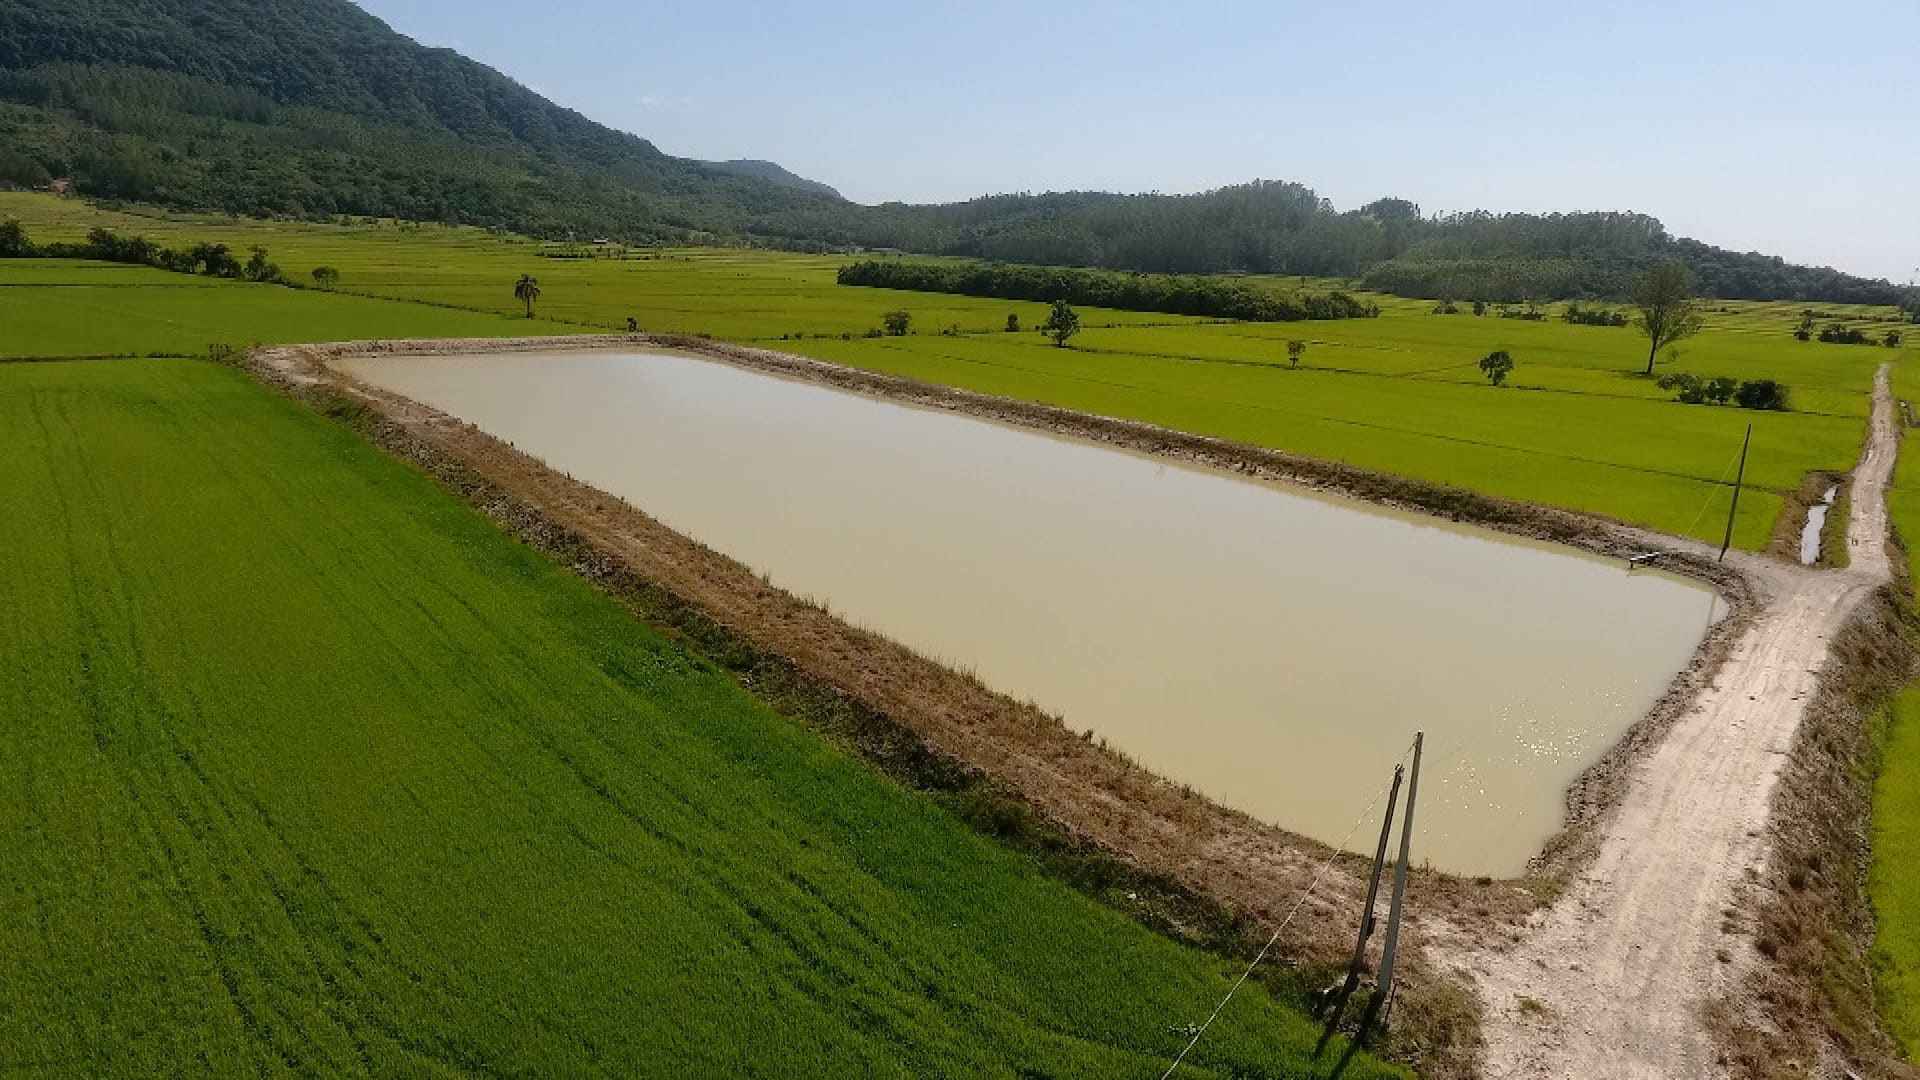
(1400, 393)
(1894, 883)
(312, 769)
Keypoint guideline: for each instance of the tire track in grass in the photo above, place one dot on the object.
(143, 702)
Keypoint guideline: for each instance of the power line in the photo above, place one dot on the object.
(1718, 483)
(1335, 854)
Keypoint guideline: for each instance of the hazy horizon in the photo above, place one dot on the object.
(1733, 128)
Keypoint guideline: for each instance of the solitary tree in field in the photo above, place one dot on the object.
(326, 276)
(259, 267)
(1295, 350)
(1062, 323)
(1668, 311)
(1013, 323)
(897, 322)
(1496, 366)
(527, 290)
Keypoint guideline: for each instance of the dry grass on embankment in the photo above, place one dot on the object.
(1807, 1007)
(1159, 850)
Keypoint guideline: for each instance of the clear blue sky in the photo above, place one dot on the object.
(1788, 128)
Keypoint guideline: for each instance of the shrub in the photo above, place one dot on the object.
(1593, 316)
(1687, 388)
(897, 322)
(1761, 394)
(13, 241)
(1720, 389)
(1062, 323)
(1013, 322)
(1842, 334)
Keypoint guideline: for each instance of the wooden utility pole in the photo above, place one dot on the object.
(1727, 541)
(1338, 1004)
(1384, 984)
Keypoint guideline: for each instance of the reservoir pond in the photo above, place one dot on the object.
(1271, 646)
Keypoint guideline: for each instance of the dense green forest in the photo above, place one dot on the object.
(313, 108)
(1175, 294)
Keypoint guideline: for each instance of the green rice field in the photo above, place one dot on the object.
(312, 770)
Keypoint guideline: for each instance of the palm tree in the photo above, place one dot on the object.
(527, 290)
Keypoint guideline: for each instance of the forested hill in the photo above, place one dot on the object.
(767, 170)
(1286, 228)
(316, 108)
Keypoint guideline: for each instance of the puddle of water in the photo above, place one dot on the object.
(1273, 647)
(1816, 521)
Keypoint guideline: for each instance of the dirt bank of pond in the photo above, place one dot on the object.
(1094, 794)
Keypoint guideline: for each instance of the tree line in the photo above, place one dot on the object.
(105, 245)
(1173, 294)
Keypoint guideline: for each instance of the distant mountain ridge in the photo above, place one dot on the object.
(316, 108)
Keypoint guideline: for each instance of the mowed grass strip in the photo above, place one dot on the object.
(57, 308)
(311, 769)
(1647, 461)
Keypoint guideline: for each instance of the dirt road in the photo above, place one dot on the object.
(1611, 980)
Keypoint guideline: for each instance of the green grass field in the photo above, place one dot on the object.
(1893, 883)
(1577, 427)
(311, 769)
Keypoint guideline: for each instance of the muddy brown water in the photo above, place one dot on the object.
(1816, 523)
(1273, 647)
